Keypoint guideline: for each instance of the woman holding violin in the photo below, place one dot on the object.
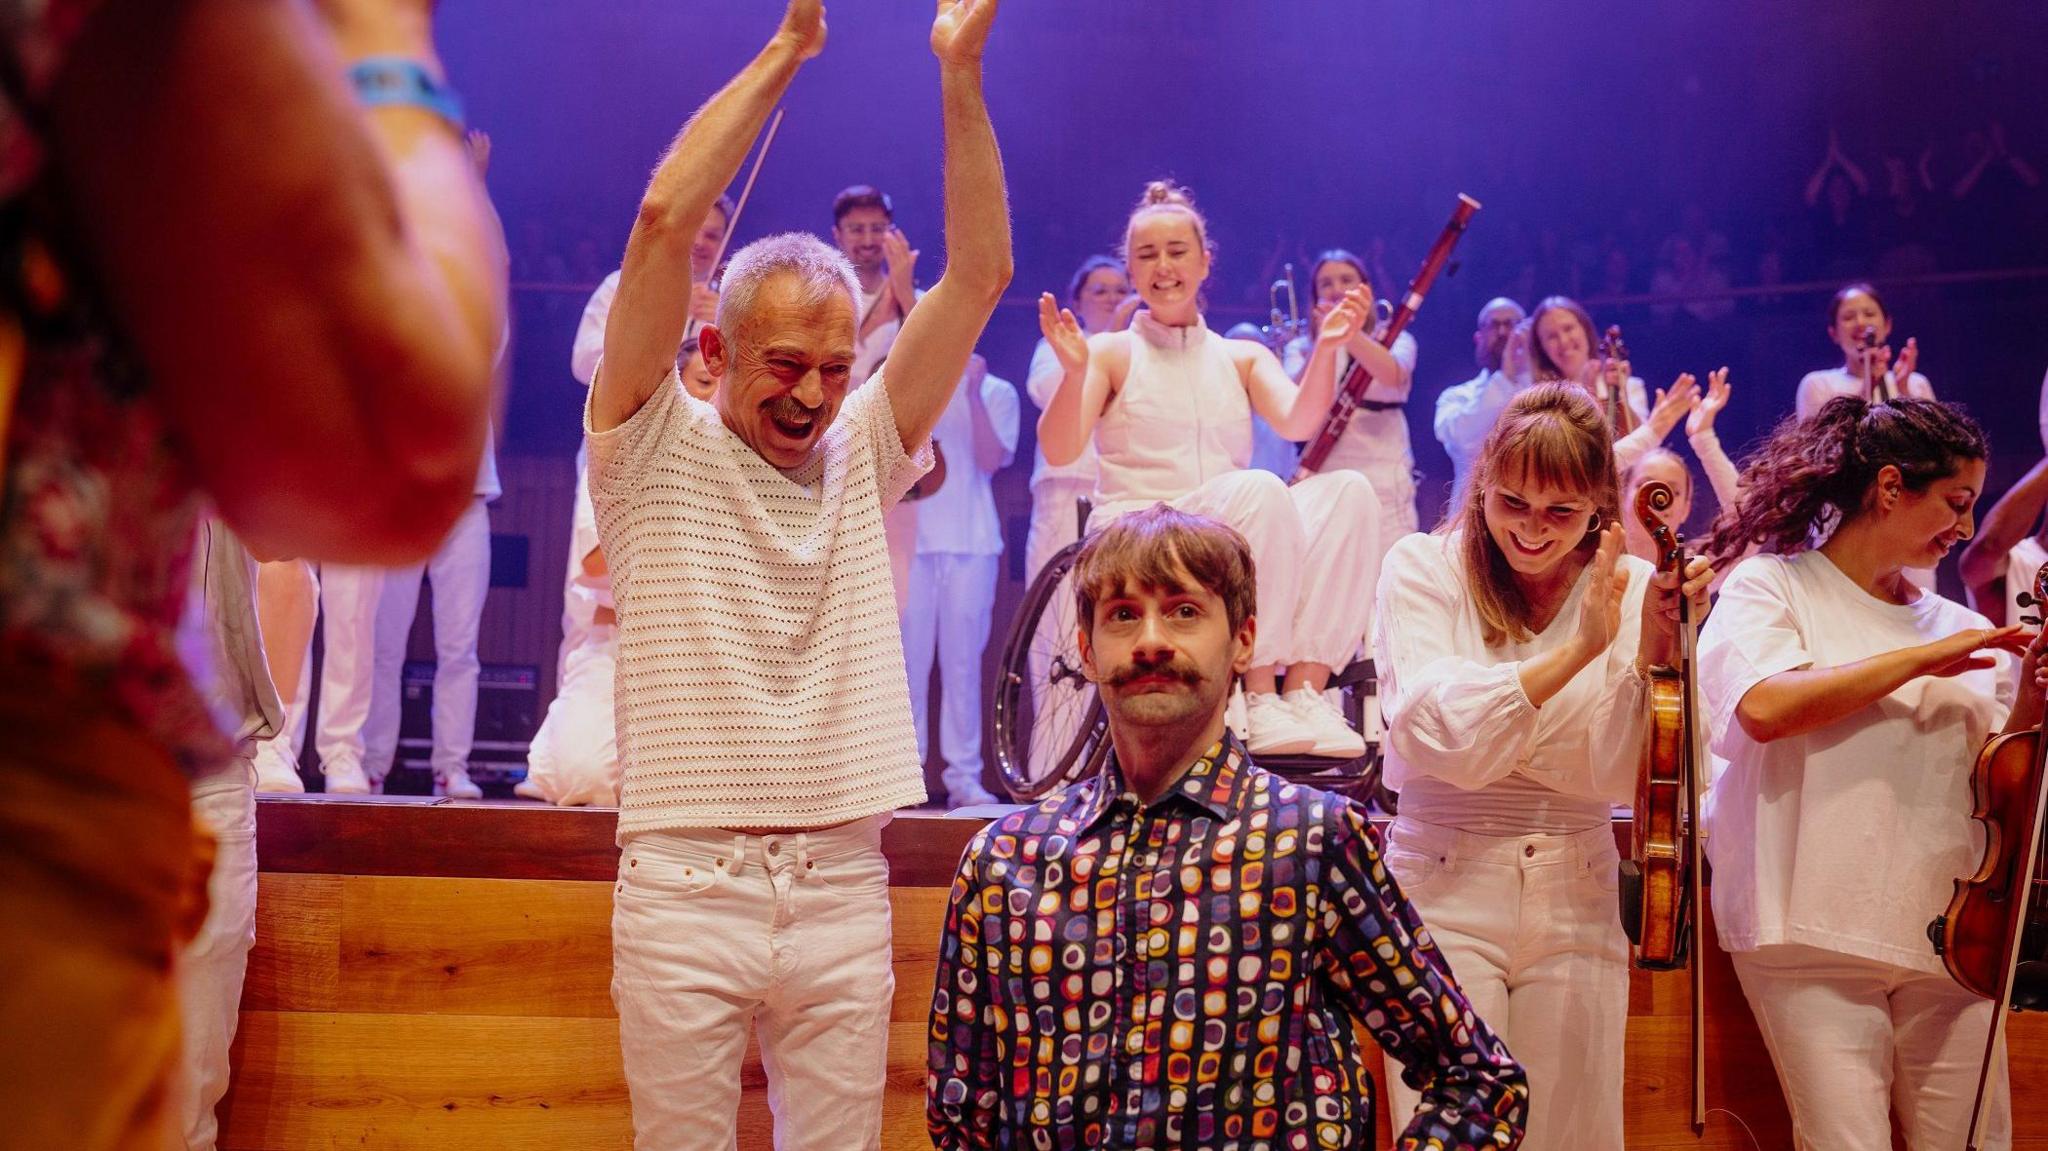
(1513, 648)
(1849, 704)
(1563, 347)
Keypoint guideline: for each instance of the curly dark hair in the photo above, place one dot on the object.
(1810, 472)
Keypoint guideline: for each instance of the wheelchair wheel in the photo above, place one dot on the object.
(1047, 726)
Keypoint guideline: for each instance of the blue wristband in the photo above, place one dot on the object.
(386, 80)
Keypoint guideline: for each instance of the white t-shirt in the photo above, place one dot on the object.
(1848, 837)
(1041, 381)
(1817, 388)
(589, 346)
(760, 671)
(960, 518)
(1459, 725)
(1374, 442)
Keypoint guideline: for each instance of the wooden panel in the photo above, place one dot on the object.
(497, 839)
(296, 963)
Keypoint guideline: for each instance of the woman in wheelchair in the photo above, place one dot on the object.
(1511, 647)
(1169, 406)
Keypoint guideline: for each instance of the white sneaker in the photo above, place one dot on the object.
(1275, 729)
(457, 785)
(345, 777)
(1334, 737)
(529, 789)
(1234, 716)
(277, 768)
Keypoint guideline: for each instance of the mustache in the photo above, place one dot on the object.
(1172, 669)
(790, 408)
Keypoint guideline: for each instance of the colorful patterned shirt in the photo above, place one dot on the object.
(97, 504)
(1187, 974)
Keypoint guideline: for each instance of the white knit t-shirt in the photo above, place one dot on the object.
(760, 673)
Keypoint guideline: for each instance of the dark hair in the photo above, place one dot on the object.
(1540, 360)
(1859, 288)
(861, 196)
(1161, 547)
(1810, 472)
(1554, 432)
(725, 208)
(1337, 256)
(1089, 267)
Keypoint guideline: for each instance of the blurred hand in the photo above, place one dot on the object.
(960, 32)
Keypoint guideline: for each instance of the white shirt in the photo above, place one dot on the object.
(1042, 380)
(871, 350)
(760, 670)
(589, 346)
(1181, 418)
(960, 518)
(1374, 442)
(1846, 838)
(582, 593)
(1465, 415)
(1817, 388)
(2044, 410)
(1459, 724)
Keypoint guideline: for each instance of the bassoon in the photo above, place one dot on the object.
(1351, 389)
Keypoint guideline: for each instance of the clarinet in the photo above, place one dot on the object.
(1351, 389)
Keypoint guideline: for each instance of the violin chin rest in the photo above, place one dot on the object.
(2030, 986)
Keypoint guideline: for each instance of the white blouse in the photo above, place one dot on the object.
(1848, 837)
(1455, 710)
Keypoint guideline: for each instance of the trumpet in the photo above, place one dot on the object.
(1282, 326)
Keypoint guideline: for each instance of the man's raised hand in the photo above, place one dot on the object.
(803, 27)
(960, 31)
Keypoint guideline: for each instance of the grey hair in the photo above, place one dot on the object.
(819, 268)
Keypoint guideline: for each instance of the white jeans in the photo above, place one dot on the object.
(1531, 926)
(715, 932)
(348, 629)
(574, 760)
(1855, 1039)
(952, 602)
(1054, 523)
(460, 575)
(1316, 550)
(210, 968)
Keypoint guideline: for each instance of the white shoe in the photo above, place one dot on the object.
(345, 777)
(1334, 737)
(528, 789)
(1234, 716)
(277, 768)
(457, 785)
(1275, 729)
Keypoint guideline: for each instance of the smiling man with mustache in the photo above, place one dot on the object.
(1175, 953)
(764, 727)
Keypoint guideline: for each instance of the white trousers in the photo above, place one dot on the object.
(1054, 523)
(1856, 1039)
(211, 966)
(1531, 926)
(716, 933)
(348, 629)
(952, 602)
(1316, 549)
(574, 760)
(459, 573)
(899, 530)
(1393, 482)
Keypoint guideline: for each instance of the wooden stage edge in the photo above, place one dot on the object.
(437, 974)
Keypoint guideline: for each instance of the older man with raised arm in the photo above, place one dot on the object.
(763, 716)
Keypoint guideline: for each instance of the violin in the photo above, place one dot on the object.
(1994, 936)
(1662, 877)
(1614, 400)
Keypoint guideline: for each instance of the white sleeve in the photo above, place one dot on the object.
(999, 396)
(1396, 391)
(1446, 715)
(2044, 410)
(618, 455)
(1465, 414)
(895, 469)
(1750, 636)
(590, 331)
(1811, 395)
(1042, 379)
(1722, 475)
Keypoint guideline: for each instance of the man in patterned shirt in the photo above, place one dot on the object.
(1179, 952)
